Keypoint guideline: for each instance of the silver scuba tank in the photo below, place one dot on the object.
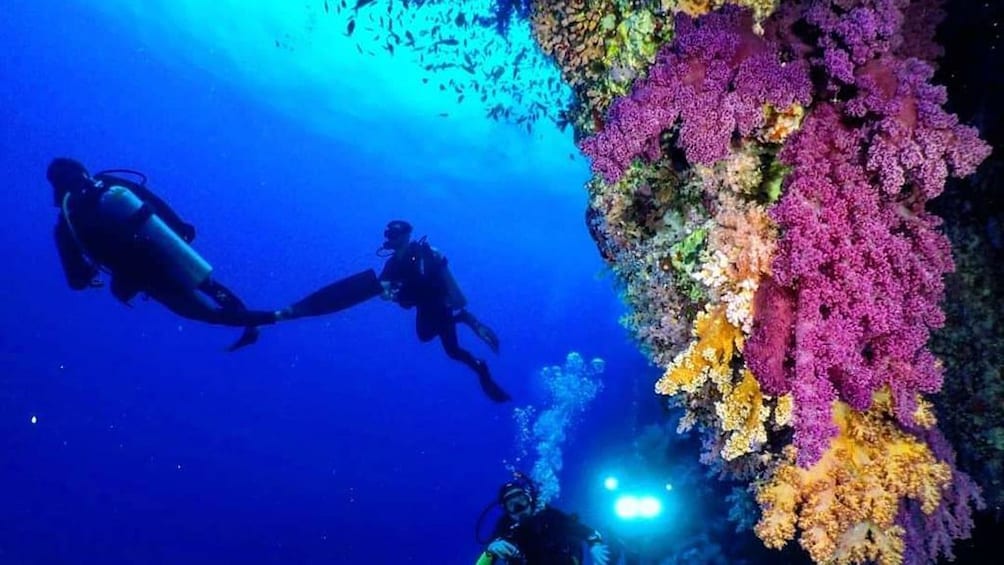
(181, 263)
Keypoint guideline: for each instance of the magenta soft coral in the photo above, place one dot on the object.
(913, 144)
(865, 257)
(715, 78)
(868, 282)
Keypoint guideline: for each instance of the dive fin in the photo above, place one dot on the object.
(249, 337)
(337, 296)
(490, 387)
(488, 336)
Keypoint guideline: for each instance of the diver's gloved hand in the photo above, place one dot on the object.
(502, 549)
(600, 554)
(389, 290)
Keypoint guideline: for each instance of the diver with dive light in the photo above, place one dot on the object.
(114, 225)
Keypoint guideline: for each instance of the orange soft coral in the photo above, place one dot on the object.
(845, 505)
(708, 358)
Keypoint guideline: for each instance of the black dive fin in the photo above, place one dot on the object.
(490, 387)
(249, 337)
(338, 295)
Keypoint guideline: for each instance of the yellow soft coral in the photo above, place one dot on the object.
(845, 505)
(761, 8)
(707, 358)
(742, 414)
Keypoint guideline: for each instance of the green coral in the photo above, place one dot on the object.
(685, 256)
(773, 177)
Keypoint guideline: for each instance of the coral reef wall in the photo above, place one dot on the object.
(763, 179)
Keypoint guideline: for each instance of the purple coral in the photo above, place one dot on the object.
(865, 256)
(868, 274)
(928, 536)
(715, 78)
(913, 142)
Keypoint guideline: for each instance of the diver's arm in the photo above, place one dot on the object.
(79, 271)
(575, 529)
(185, 230)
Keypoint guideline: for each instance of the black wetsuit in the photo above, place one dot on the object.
(420, 279)
(88, 242)
(549, 537)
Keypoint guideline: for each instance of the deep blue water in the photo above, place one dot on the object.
(332, 440)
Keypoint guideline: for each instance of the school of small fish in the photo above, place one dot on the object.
(457, 44)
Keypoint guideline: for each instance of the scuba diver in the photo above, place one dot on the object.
(416, 275)
(111, 224)
(530, 533)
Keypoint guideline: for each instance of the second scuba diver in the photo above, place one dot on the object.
(415, 275)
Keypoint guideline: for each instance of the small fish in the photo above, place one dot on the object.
(460, 99)
(461, 20)
(361, 3)
(325, 6)
(351, 28)
(411, 38)
(443, 115)
(390, 48)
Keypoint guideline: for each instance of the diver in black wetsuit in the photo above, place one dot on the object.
(107, 223)
(417, 276)
(531, 533)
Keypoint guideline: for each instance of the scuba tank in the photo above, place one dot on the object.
(181, 263)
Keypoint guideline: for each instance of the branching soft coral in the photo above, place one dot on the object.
(845, 506)
(724, 401)
(707, 359)
(867, 258)
(930, 535)
(743, 416)
(716, 78)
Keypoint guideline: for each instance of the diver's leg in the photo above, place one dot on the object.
(428, 320)
(448, 337)
(232, 311)
(192, 305)
(187, 304)
(483, 332)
